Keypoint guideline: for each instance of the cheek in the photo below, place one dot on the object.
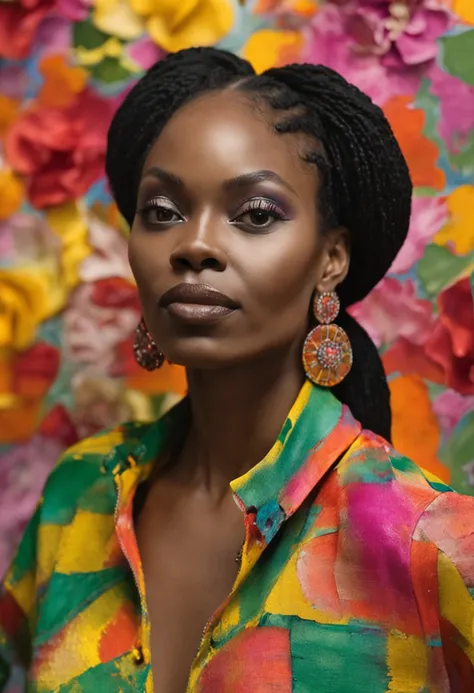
(285, 271)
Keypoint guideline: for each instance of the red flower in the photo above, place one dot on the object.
(60, 150)
(451, 344)
(34, 370)
(19, 22)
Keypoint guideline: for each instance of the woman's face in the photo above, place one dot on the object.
(225, 246)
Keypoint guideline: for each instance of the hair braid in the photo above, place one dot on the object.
(364, 187)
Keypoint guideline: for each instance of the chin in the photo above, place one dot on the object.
(207, 356)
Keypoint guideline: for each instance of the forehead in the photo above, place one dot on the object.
(225, 134)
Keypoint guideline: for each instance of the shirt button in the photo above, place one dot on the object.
(137, 656)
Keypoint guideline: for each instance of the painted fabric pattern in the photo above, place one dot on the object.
(357, 570)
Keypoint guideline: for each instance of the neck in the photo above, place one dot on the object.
(236, 416)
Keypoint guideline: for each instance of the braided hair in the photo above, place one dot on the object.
(365, 185)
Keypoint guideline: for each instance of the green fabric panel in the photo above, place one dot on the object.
(67, 595)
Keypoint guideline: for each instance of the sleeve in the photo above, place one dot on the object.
(17, 611)
(443, 576)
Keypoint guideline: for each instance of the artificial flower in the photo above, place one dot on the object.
(271, 48)
(23, 471)
(420, 152)
(70, 225)
(118, 18)
(62, 82)
(109, 256)
(11, 193)
(451, 344)
(287, 8)
(328, 43)
(428, 214)
(174, 26)
(60, 151)
(19, 22)
(32, 249)
(102, 402)
(450, 407)
(110, 48)
(58, 425)
(393, 310)
(93, 332)
(34, 370)
(402, 32)
(28, 242)
(456, 106)
(13, 84)
(464, 10)
(144, 52)
(415, 429)
(458, 232)
(9, 108)
(25, 302)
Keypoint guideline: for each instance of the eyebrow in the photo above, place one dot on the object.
(242, 181)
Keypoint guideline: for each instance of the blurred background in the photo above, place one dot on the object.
(68, 305)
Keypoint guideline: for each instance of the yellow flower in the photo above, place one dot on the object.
(117, 18)
(70, 225)
(176, 25)
(465, 10)
(11, 193)
(24, 303)
(272, 48)
(459, 231)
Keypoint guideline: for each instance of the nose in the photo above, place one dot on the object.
(198, 249)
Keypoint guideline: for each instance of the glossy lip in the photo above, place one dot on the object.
(197, 304)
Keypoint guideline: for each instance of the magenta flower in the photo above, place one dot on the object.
(427, 218)
(393, 310)
(403, 32)
(450, 407)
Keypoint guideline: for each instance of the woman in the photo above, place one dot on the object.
(258, 537)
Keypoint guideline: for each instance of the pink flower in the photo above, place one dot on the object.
(26, 239)
(109, 257)
(144, 52)
(392, 310)
(23, 471)
(450, 407)
(94, 331)
(403, 33)
(327, 42)
(427, 217)
(456, 106)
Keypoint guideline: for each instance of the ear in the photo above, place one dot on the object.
(335, 260)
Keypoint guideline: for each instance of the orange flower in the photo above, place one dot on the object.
(61, 82)
(8, 113)
(269, 48)
(420, 152)
(11, 193)
(415, 426)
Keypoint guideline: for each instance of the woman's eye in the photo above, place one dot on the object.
(260, 214)
(155, 213)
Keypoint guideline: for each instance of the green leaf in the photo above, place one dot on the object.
(85, 35)
(110, 70)
(457, 55)
(439, 268)
(459, 452)
(463, 160)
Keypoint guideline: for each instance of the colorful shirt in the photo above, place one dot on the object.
(357, 573)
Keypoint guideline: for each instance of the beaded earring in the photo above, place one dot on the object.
(147, 354)
(327, 352)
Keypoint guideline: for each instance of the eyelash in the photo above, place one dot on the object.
(256, 204)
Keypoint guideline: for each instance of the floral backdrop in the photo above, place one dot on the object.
(68, 306)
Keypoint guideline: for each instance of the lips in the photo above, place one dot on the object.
(197, 303)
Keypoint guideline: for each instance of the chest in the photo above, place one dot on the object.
(189, 567)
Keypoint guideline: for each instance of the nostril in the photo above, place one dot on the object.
(211, 263)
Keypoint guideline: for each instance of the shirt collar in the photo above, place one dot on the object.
(317, 431)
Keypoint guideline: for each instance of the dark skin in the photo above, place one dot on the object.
(202, 219)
